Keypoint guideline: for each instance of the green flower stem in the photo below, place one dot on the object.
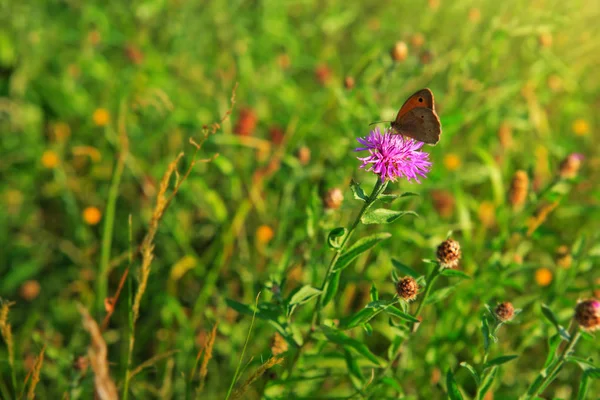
(433, 275)
(547, 380)
(375, 193)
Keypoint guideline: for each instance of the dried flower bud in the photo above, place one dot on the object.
(518, 190)
(587, 314)
(349, 82)
(448, 253)
(278, 344)
(333, 199)
(443, 202)
(323, 74)
(563, 257)
(545, 39)
(276, 134)
(504, 311)
(570, 166)
(246, 123)
(304, 155)
(505, 135)
(400, 51)
(284, 61)
(81, 364)
(134, 54)
(426, 57)
(30, 290)
(474, 15)
(407, 288)
(417, 40)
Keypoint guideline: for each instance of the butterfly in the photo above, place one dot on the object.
(417, 118)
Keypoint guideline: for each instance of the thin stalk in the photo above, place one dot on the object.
(561, 360)
(130, 311)
(377, 190)
(433, 275)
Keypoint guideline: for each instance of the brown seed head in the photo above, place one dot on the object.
(278, 344)
(407, 288)
(563, 257)
(426, 57)
(417, 40)
(569, 168)
(304, 155)
(246, 123)
(448, 253)
(333, 198)
(349, 82)
(443, 202)
(504, 311)
(30, 290)
(399, 51)
(587, 314)
(323, 74)
(276, 134)
(505, 135)
(518, 190)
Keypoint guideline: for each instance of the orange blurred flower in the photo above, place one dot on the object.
(101, 117)
(452, 161)
(581, 127)
(61, 131)
(50, 159)
(543, 276)
(264, 234)
(92, 215)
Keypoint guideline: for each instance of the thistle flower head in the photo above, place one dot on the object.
(587, 314)
(392, 156)
(448, 253)
(407, 288)
(504, 311)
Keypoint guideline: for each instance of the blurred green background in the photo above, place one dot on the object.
(517, 88)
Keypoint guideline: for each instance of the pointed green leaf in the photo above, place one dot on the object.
(485, 332)
(583, 387)
(452, 387)
(332, 287)
(336, 237)
(384, 216)
(391, 382)
(303, 295)
(374, 293)
(549, 314)
(454, 273)
(339, 338)
(499, 361)
(487, 382)
(357, 191)
(553, 342)
(397, 313)
(439, 295)
(404, 269)
(358, 248)
(358, 318)
(472, 370)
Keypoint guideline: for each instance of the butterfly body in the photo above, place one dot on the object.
(417, 118)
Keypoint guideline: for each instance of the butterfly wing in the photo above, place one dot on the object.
(421, 124)
(422, 98)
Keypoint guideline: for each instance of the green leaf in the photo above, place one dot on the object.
(397, 313)
(584, 364)
(332, 287)
(485, 332)
(359, 194)
(384, 216)
(454, 273)
(353, 367)
(487, 382)
(583, 387)
(389, 198)
(499, 361)
(439, 295)
(339, 338)
(593, 373)
(404, 269)
(303, 295)
(368, 329)
(391, 382)
(472, 370)
(553, 342)
(452, 387)
(549, 314)
(358, 248)
(374, 293)
(358, 318)
(336, 237)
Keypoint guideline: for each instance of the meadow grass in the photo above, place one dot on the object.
(182, 212)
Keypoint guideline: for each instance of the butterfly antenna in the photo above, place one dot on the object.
(377, 122)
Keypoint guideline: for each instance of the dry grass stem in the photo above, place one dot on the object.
(97, 351)
(6, 331)
(151, 362)
(271, 362)
(207, 350)
(35, 374)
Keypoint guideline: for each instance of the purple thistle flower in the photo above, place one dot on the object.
(393, 156)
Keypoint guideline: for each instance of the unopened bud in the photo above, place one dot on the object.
(448, 253)
(587, 314)
(504, 311)
(333, 198)
(518, 190)
(570, 166)
(407, 288)
(400, 51)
